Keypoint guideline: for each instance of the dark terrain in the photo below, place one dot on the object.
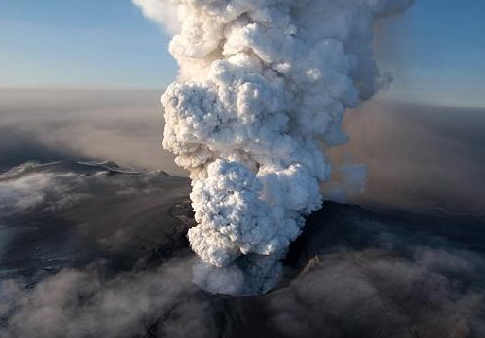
(98, 251)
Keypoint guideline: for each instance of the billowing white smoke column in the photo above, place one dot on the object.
(261, 83)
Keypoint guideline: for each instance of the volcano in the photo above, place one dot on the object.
(353, 272)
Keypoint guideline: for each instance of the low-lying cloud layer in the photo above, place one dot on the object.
(378, 294)
(368, 292)
(75, 304)
(122, 126)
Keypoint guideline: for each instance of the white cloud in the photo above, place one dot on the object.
(260, 81)
(162, 12)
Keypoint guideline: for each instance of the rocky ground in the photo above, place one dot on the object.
(92, 250)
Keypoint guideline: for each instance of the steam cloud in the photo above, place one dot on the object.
(261, 83)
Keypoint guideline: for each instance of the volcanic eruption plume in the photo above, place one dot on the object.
(262, 84)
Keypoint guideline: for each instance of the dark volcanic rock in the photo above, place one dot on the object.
(118, 244)
(362, 273)
(73, 213)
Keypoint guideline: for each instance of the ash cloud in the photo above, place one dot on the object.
(417, 157)
(260, 82)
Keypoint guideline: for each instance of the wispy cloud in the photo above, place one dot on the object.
(87, 303)
(47, 191)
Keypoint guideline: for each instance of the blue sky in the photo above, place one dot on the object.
(436, 51)
(79, 43)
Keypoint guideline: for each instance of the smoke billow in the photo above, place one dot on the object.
(261, 83)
